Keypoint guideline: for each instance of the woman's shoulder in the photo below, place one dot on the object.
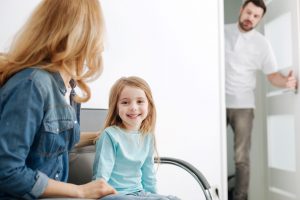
(39, 75)
(29, 76)
(35, 75)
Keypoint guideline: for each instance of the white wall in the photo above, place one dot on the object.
(176, 46)
(13, 14)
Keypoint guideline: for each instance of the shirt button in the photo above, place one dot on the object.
(56, 176)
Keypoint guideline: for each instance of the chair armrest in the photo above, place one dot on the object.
(81, 166)
(199, 177)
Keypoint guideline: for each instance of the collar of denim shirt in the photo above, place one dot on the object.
(60, 83)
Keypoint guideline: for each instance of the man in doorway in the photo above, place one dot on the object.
(246, 51)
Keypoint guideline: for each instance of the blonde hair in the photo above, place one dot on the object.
(113, 118)
(60, 34)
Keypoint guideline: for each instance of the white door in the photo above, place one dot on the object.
(283, 107)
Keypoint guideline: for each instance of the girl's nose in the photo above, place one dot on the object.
(133, 106)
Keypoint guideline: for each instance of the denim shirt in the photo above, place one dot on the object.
(37, 129)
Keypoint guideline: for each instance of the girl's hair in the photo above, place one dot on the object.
(60, 34)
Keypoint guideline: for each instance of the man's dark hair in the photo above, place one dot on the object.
(258, 3)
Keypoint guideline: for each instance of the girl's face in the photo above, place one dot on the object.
(132, 107)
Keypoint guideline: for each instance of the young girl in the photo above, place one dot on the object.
(125, 149)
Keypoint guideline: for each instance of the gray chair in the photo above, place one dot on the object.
(81, 159)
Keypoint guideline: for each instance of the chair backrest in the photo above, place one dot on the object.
(81, 165)
(92, 119)
(82, 159)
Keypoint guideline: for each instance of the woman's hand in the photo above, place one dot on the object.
(95, 189)
(92, 190)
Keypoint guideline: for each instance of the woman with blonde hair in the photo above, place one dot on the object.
(59, 47)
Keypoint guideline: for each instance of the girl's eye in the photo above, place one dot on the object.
(124, 102)
(140, 101)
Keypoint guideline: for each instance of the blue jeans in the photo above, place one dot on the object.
(139, 196)
(241, 121)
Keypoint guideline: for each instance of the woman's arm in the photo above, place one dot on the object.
(21, 111)
(87, 138)
(92, 190)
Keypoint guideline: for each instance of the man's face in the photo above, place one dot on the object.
(250, 16)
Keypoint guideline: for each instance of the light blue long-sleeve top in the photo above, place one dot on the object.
(125, 160)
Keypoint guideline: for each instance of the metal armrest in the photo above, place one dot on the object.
(81, 164)
(191, 170)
